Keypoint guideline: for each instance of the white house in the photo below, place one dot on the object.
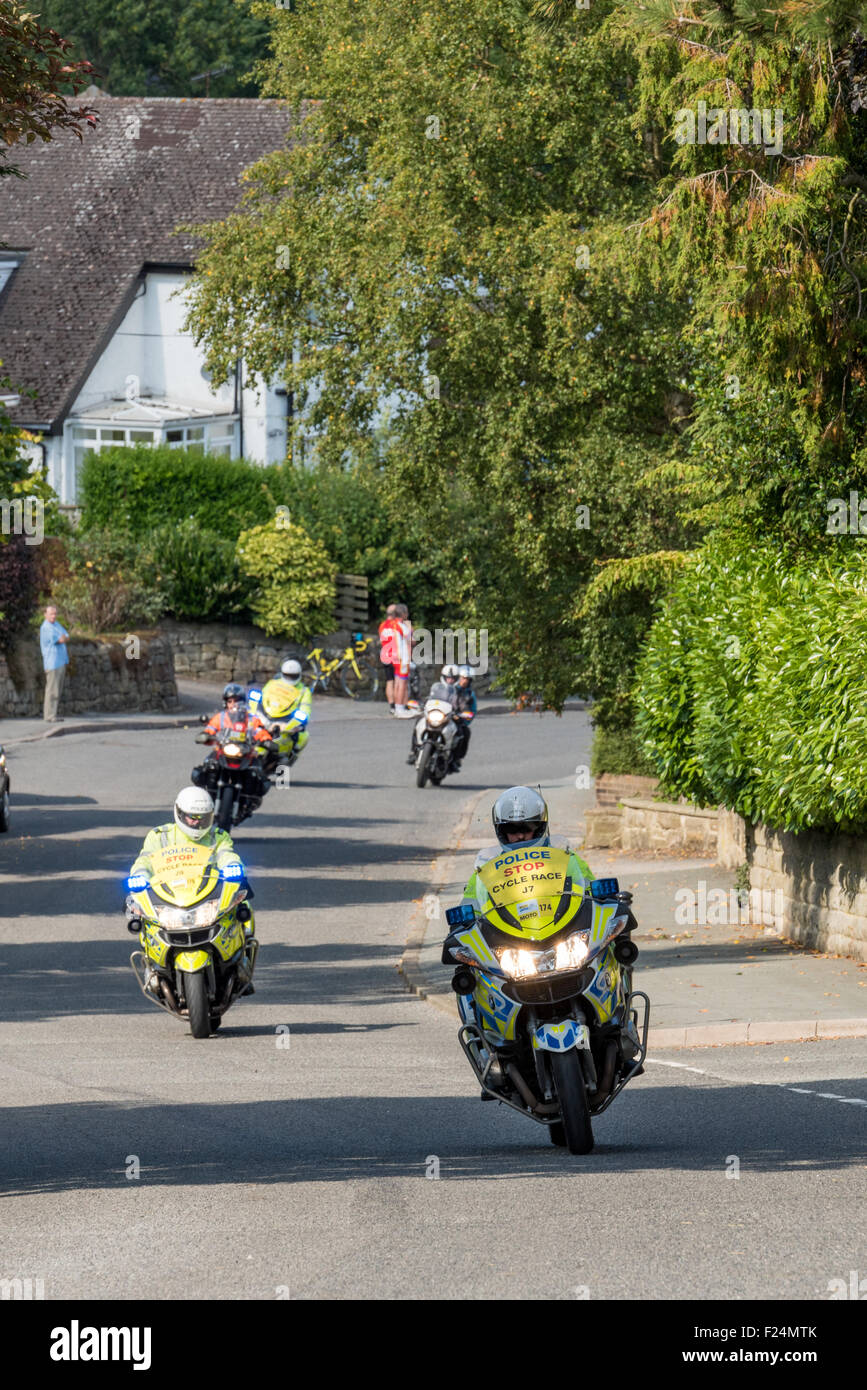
(92, 273)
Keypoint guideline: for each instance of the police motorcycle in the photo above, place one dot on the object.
(197, 935)
(434, 735)
(549, 1022)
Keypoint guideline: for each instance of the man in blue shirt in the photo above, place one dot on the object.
(53, 639)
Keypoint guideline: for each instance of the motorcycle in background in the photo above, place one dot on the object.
(435, 735)
(233, 773)
(545, 996)
(197, 936)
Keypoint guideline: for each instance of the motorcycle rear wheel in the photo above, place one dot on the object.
(421, 773)
(571, 1090)
(196, 991)
(224, 808)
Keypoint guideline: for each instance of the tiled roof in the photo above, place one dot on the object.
(91, 214)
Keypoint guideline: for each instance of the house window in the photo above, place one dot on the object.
(186, 437)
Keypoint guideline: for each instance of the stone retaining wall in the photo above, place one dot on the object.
(216, 652)
(661, 826)
(103, 675)
(821, 879)
(612, 787)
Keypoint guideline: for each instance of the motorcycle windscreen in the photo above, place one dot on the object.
(530, 892)
(184, 874)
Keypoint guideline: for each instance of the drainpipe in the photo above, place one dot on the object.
(239, 405)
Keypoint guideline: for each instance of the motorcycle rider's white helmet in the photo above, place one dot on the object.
(291, 669)
(194, 812)
(521, 809)
(466, 671)
(449, 673)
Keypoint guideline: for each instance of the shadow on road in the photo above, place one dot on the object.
(86, 1146)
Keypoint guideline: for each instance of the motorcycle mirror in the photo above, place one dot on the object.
(133, 925)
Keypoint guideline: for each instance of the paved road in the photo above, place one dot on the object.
(270, 1171)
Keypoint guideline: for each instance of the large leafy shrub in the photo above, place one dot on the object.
(752, 691)
(295, 589)
(109, 586)
(197, 573)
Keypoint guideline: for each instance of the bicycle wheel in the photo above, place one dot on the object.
(361, 684)
(312, 676)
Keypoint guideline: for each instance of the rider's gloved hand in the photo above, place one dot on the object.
(203, 738)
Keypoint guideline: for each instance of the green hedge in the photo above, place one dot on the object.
(143, 488)
(619, 752)
(362, 526)
(752, 690)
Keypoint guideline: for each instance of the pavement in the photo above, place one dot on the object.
(730, 982)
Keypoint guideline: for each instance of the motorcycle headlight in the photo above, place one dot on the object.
(571, 953)
(519, 964)
(172, 918)
(435, 718)
(206, 913)
(232, 750)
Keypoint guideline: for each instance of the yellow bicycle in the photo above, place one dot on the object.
(359, 672)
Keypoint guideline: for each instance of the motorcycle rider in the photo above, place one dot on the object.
(194, 813)
(287, 698)
(465, 712)
(449, 676)
(235, 715)
(520, 817)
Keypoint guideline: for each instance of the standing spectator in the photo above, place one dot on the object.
(401, 660)
(387, 645)
(53, 639)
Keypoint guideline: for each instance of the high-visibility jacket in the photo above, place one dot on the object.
(171, 835)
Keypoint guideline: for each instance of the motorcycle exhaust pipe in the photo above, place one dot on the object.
(625, 951)
(169, 996)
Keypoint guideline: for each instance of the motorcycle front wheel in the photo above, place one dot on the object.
(421, 771)
(576, 1126)
(196, 991)
(224, 808)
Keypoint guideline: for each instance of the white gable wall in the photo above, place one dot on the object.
(152, 355)
(151, 345)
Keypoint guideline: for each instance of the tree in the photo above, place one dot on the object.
(155, 47)
(34, 63)
(448, 236)
(761, 219)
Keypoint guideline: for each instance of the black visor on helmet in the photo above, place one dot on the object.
(204, 821)
(521, 827)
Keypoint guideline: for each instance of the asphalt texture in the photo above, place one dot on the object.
(350, 1157)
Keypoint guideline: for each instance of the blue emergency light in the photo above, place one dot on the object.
(461, 916)
(136, 883)
(604, 888)
(232, 871)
